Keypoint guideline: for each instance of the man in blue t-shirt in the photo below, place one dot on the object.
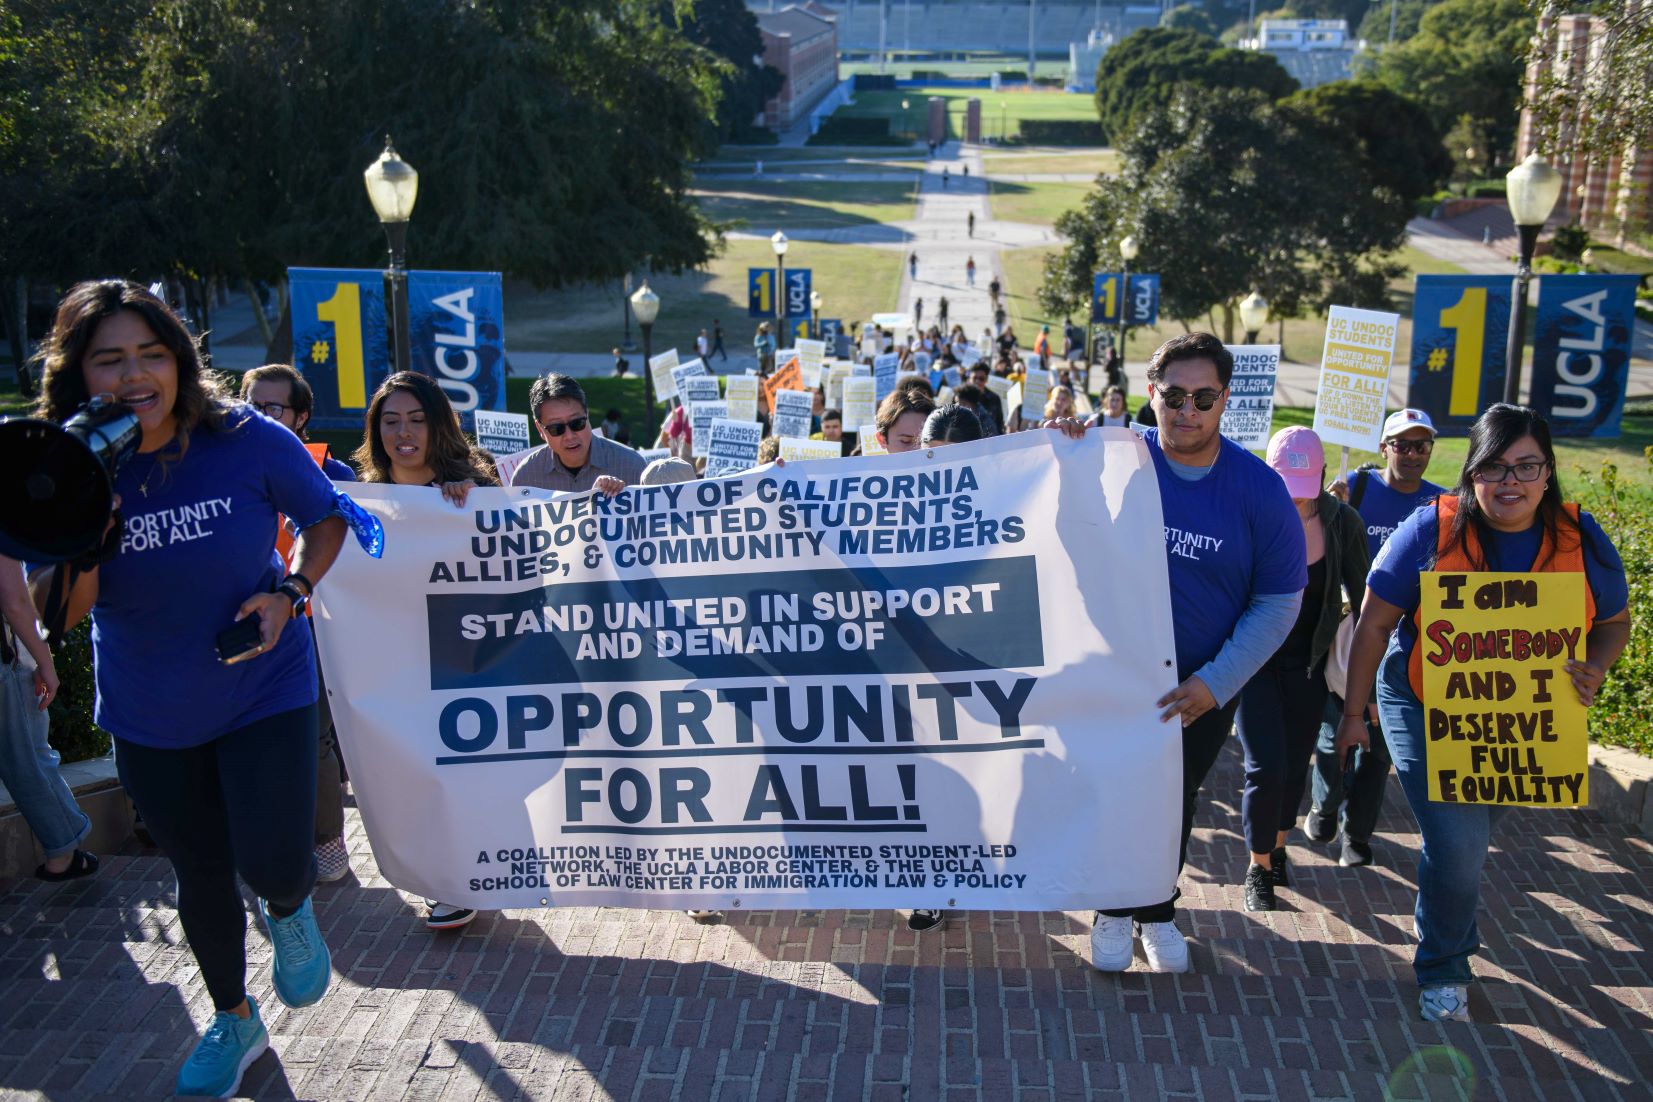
(1383, 497)
(1237, 563)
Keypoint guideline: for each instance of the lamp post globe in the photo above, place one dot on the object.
(815, 309)
(645, 305)
(393, 187)
(1127, 253)
(1253, 315)
(1533, 186)
(1128, 247)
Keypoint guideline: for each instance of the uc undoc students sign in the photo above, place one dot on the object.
(456, 323)
(922, 680)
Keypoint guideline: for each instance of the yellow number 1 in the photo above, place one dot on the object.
(1109, 294)
(765, 293)
(1467, 318)
(344, 310)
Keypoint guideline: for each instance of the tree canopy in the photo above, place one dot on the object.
(1609, 104)
(1146, 69)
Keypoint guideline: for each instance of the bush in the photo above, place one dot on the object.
(1551, 264)
(1570, 241)
(1623, 712)
(1485, 190)
(73, 734)
(1060, 132)
(844, 129)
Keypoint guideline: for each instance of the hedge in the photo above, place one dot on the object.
(73, 734)
(1060, 132)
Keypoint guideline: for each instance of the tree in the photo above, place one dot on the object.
(1146, 69)
(1398, 147)
(729, 29)
(1404, 16)
(1466, 59)
(1187, 17)
(1608, 106)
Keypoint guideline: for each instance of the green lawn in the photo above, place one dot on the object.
(1001, 111)
(1040, 204)
(838, 157)
(1092, 162)
(903, 68)
(808, 204)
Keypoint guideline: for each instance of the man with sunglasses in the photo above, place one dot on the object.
(572, 459)
(1238, 567)
(1383, 497)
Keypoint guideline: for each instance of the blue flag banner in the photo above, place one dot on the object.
(760, 292)
(830, 328)
(799, 282)
(1459, 329)
(1581, 352)
(1137, 295)
(341, 341)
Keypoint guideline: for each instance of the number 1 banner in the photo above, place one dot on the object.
(1459, 328)
(1140, 302)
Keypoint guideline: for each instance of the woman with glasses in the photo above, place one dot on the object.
(1506, 514)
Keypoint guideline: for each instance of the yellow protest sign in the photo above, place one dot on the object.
(1503, 721)
(1354, 376)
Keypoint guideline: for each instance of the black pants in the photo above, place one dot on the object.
(244, 804)
(329, 777)
(1360, 789)
(1278, 722)
(1202, 741)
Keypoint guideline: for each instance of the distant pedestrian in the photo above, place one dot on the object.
(941, 311)
(621, 365)
(763, 345)
(944, 177)
(970, 271)
(993, 290)
(717, 340)
(971, 223)
(967, 171)
(703, 345)
(918, 313)
(757, 169)
(912, 265)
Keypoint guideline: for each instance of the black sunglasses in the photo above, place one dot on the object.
(573, 424)
(1203, 399)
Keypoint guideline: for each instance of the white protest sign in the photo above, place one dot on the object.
(698, 388)
(811, 354)
(661, 368)
(999, 385)
(922, 360)
(801, 448)
(792, 412)
(507, 465)
(836, 374)
(741, 392)
(701, 416)
(694, 369)
(1032, 362)
(1354, 376)
(651, 454)
(860, 403)
(501, 433)
(1248, 418)
(870, 445)
(564, 731)
(883, 373)
(1035, 392)
(733, 447)
(1012, 403)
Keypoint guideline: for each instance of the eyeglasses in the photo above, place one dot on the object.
(1494, 473)
(272, 410)
(573, 424)
(1203, 399)
(1410, 447)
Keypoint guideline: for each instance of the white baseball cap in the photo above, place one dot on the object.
(1404, 419)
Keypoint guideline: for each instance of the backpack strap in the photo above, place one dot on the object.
(1357, 488)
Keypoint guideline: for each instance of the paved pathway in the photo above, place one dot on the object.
(1313, 1001)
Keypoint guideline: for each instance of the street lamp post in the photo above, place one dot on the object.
(1127, 253)
(1253, 315)
(646, 305)
(906, 120)
(626, 343)
(815, 308)
(779, 244)
(392, 188)
(1533, 187)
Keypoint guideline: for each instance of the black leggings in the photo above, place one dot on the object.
(1278, 722)
(244, 803)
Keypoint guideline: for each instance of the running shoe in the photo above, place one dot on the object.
(223, 1054)
(1355, 854)
(1259, 889)
(1444, 1003)
(303, 967)
(1112, 942)
(1319, 826)
(1164, 946)
(921, 920)
(446, 916)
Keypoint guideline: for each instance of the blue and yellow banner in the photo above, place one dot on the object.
(1460, 325)
(1581, 352)
(1137, 295)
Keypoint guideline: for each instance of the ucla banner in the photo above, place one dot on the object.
(890, 681)
(341, 340)
(1136, 295)
(1581, 352)
(1460, 328)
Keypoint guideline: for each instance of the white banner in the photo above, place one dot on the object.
(810, 356)
(1248, 418)
(1354, 376)
(920, 680)
(698, 388)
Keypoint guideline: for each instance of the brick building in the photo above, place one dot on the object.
(803, 45)
(1603, 193)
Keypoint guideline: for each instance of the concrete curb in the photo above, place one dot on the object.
(1621, 787)
(99, 793)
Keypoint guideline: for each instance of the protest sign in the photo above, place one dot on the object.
(836, 374)
(1459, 328)
(860, 403)
(789, 377)
(883, 373)
(999, 385)
(695, 368)
(733, 446)
(1504, 724)
(506, 465)
(870, 445)
(1035, 392)
(701, 416)
(651, 454)
(806, 687)
(501, 433)
(922, 361)
(1248, 419)
(1354, 376)
(1582, 343)
(662, 367)
(792, 412)
(741, 392)
(811, 354)
(801, 447)
(698, 388)
(1031, 362)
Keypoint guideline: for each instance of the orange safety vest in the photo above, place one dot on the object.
(284, 538)
(1568, 556)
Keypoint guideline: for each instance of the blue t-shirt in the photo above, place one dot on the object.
(1383, 508)
(199, 540)
(1395, 574)
(1233, 533)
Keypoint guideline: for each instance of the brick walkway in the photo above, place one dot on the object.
(1314, 1001)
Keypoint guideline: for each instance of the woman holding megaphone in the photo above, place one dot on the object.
(205, 676)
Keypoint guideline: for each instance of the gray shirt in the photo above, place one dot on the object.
(545, 471)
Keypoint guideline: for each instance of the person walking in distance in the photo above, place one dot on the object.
(703, 345)
(717, 340)
(970, 223)
(918, 313)
(912, 265)
(1352, 801)
(994, 288)
(1236, 556)
(970, 271)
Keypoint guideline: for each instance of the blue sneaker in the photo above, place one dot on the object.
(303, 967)
(223, 1054)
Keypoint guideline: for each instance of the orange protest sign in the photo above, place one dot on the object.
(790, 377)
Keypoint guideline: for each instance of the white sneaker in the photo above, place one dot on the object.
(1164, 946)
(1444, 1003)
(1111, 942)
(706, 918)
(447, 916)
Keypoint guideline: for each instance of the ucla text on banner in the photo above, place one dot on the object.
(1504, 722)
(1137, 295)
(1249, 415)
(1460, 329)
(1581, 350)
(898, 681)
(456, 322)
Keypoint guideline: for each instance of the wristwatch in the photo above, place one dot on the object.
(297, 589)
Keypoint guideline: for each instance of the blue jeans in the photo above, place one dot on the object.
(1455, 841)
(1360, 792)
(28, 767)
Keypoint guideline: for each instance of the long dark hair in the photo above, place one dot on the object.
(452, 457)
(201, 400)
(1493, 434)
(950, 424)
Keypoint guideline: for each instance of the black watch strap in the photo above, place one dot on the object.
(294, 594)
(306, 583)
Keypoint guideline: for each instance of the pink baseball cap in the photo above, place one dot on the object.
(1299, 459)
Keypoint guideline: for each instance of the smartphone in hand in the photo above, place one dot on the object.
(242, 640)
